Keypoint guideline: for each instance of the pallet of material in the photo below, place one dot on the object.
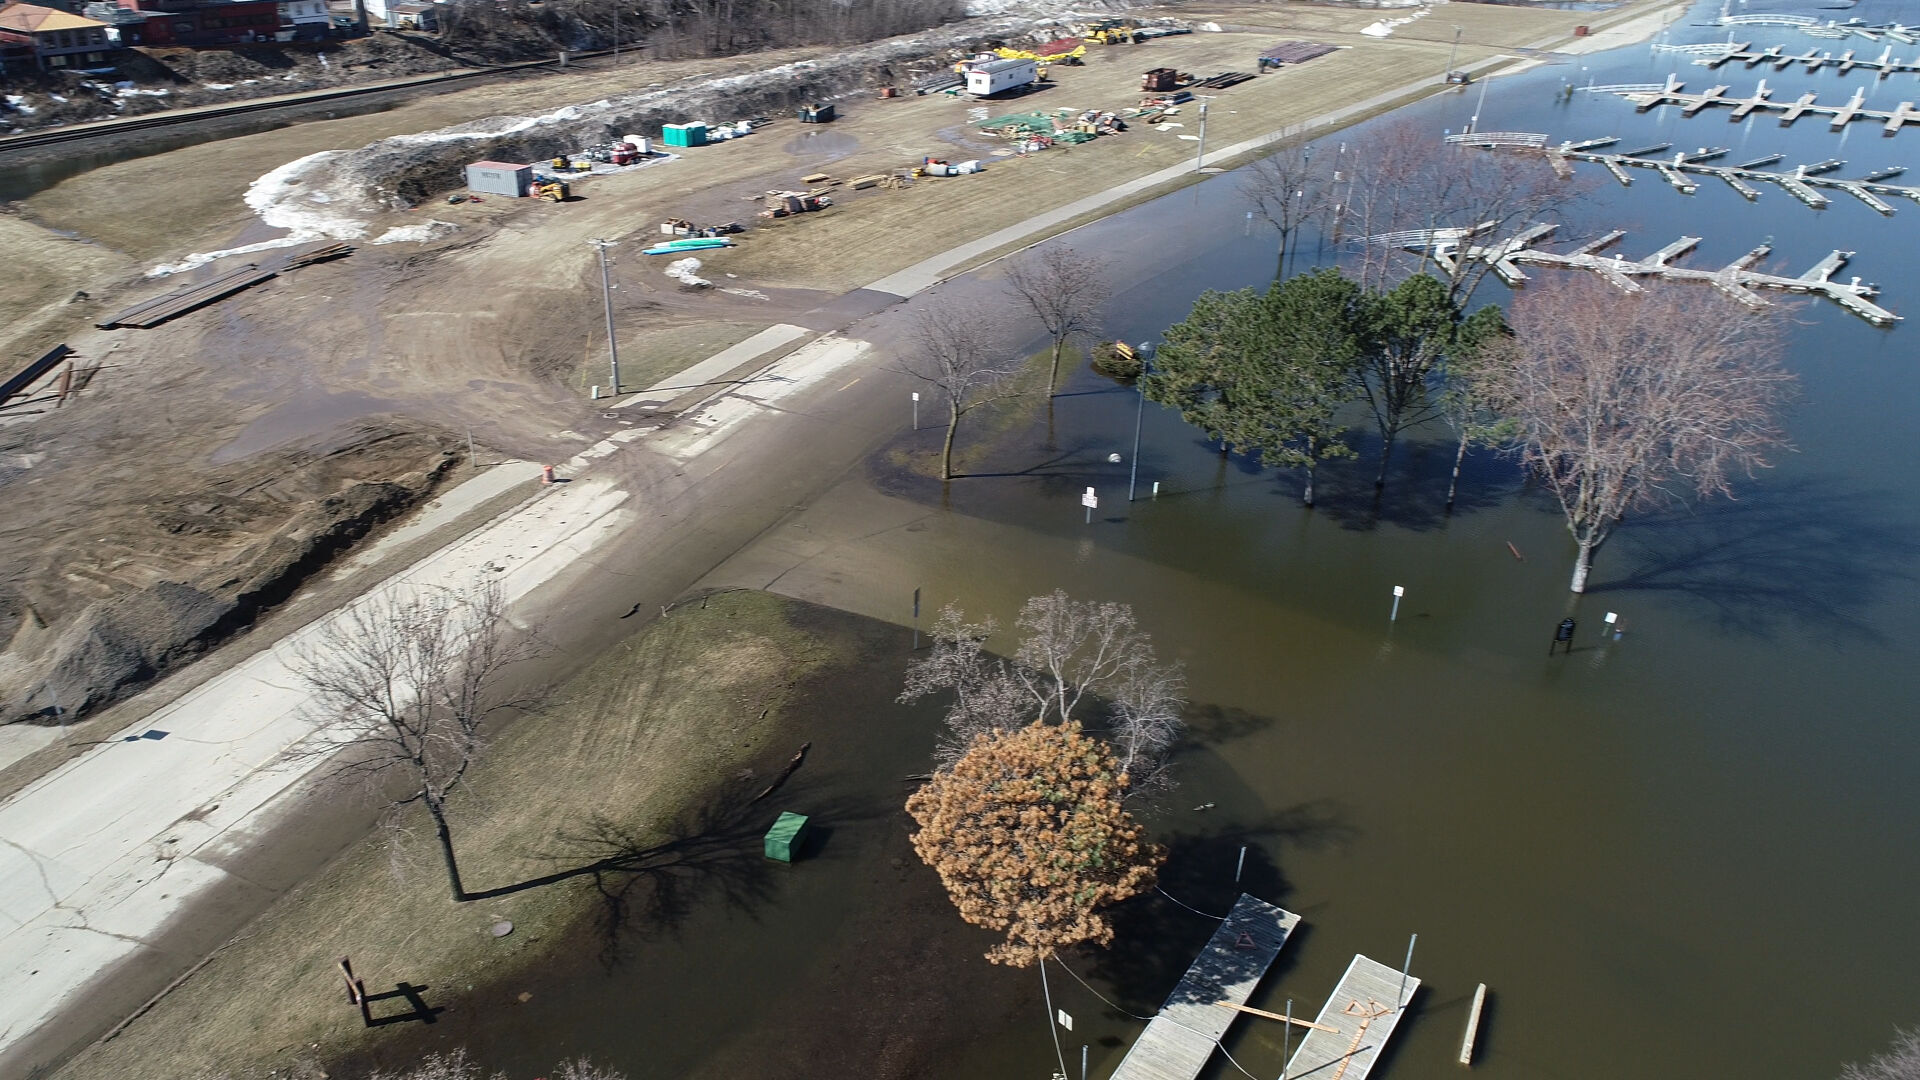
(174, 304)
(1296, 52)
(1224, 80)
(315, 253)
(818, 178)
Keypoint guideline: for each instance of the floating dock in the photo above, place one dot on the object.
(1179, 1040)
(1449, 247)
(1800, 183)
(1354, 1025)
(1884, 65)
(1839, 116)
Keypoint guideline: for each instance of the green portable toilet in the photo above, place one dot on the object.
(788, 833)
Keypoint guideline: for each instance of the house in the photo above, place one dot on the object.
(303, 20)
(412, 15)
(207, 22)
(52, 39)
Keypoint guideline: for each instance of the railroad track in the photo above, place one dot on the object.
(160, 120)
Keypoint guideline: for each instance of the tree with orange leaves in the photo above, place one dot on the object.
(1028, 832)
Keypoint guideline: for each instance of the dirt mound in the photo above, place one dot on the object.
(114, 646)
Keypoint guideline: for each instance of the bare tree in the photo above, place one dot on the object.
(1063, 290)
(403, 682)
(1071, 655)
(1901, 1061)
(1403, 180)
(954, 350)
(1287, 190)
(1622, 402)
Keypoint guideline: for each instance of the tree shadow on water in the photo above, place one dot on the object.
(651, 877)
(1156, 936)
(1415, 497)
(1802, 552)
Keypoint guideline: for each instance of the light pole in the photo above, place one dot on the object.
(1139, 412)
(1200, 154)
(1453, 52)
(606, 297)
(1474, 124)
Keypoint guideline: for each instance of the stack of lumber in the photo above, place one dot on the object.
(315, 253)
(175, 304)
(1296, 52)
(1224, 80)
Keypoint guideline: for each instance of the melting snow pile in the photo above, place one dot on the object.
(416, 234)
(685, 271)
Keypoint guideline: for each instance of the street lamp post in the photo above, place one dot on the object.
(606, 298)
(1139, 413)
(1453, 52)
(1200, 154)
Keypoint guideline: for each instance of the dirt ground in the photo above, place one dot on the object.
(238, 421)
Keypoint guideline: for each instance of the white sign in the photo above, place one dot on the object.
(1066, 1020)
(916, 395)
(1090, 500)
(1399, 590)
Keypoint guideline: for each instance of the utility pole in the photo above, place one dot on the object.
(1200, 154)
(606, 296)
(1453, 52)
(1145, 352)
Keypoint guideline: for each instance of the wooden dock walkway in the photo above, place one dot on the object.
(1800, 183)
(1177, 1043)
(1449, 247)
(1365, 1007)
(1673, 93)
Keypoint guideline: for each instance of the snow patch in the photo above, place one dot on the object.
(686, 272)
(415, 234)
(283, 199)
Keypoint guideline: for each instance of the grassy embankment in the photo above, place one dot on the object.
(665, 736)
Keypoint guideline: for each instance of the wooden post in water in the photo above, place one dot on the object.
(1473, 1025)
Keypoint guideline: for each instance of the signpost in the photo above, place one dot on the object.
(916, 410)
(1398, 592)
(1091, 502)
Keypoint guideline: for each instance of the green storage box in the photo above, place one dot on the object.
(788, 833)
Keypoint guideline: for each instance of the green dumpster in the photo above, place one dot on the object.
(788, 833)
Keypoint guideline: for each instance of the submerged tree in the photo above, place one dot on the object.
(1408, 332)
(1286, 191)
(1076, 661)
(403, 682)
(954, 351)
(1029, 834)
(1901, 1061)
(1463, 403)
(1622, 402)
(1063, 291)
(1267, 373)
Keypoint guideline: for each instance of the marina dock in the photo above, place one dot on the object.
(1448, 247)
(1801, 183)
(1884, 65)
(1179, 1040)
(1354, 1025)
(1674, 93)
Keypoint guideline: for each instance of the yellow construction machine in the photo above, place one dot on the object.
(551, 190)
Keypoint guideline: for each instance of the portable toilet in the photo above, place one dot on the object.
(694, 134)
(788, 833)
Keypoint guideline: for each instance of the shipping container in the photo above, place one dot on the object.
(499, 178)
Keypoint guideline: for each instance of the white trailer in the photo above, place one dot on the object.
(1001, 76)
